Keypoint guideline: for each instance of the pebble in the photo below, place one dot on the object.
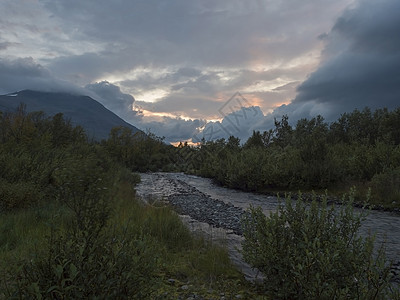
(188, 200)
(205, 209)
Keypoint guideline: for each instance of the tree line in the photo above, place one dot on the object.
(360, 148)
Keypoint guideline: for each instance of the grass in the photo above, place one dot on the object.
(186, 264)
(21, 232)
(186, 260)
(23, 235)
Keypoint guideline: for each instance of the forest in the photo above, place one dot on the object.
(72, 227)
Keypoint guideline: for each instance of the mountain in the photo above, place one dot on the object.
(80, 110)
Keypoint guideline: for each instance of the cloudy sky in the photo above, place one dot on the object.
(186, 68)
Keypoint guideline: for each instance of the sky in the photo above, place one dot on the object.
(188, 70)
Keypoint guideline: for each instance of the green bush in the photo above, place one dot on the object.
(89, 260)
(80, 267)
(314, 252)
(18, 195)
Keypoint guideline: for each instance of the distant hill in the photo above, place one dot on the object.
(80, 110)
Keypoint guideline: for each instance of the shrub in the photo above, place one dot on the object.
(314, 252)
(80, 267)
(89, 260)
(18, 195)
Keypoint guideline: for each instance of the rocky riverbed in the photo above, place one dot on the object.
(212, 218)
(216, 212)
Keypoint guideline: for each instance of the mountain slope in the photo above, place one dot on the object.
(81, 110)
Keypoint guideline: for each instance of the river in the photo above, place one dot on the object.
(215, 212)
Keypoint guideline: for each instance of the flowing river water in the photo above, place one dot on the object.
(215, 212)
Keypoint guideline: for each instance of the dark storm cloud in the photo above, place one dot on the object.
(362, 64)
(25, 73)
(112, 98)
(373, 26)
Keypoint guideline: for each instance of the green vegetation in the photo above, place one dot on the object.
(139, 152)
(360, 149)
(71, 227)
(314, 252)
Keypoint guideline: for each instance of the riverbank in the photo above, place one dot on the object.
(335, 197)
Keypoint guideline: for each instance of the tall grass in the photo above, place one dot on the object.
(21, 232)
(159, 239)
(188, 256)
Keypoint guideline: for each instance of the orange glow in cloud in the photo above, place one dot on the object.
(265, 105)
(189, 142)
(220, 97)
(281, 103)
(254, 100)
